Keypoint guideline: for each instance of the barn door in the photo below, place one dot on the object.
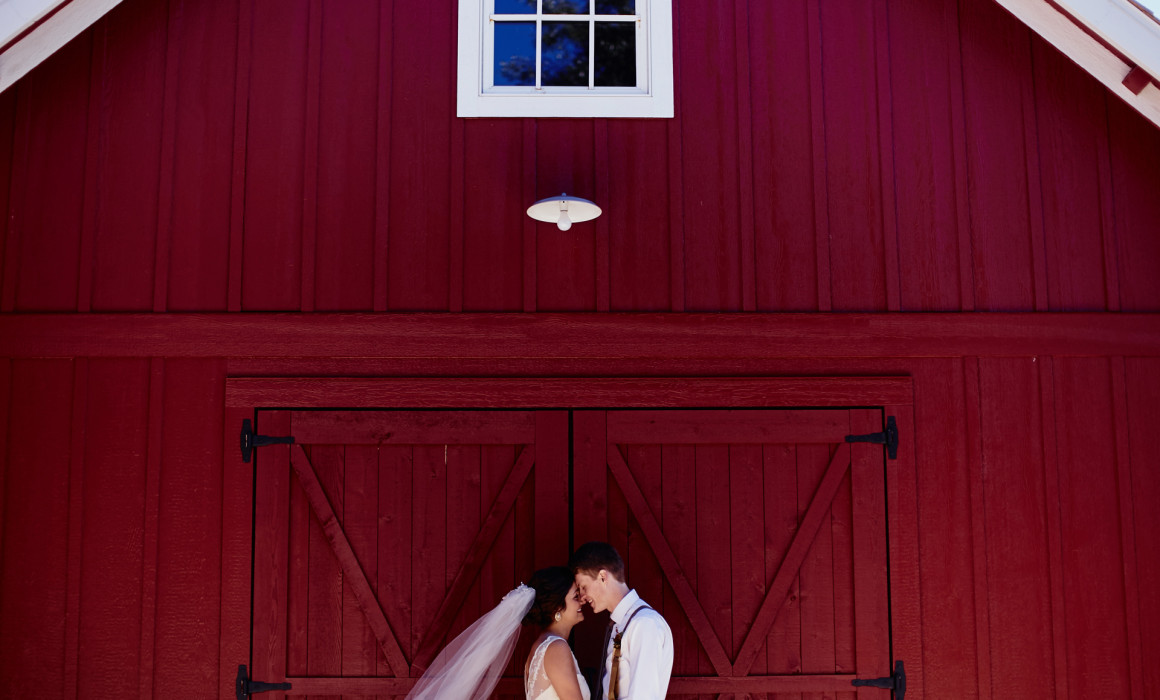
(381, 534)
(759, 534)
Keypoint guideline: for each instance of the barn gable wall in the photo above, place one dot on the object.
(303, 156)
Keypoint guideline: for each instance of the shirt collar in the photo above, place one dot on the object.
(626, 604)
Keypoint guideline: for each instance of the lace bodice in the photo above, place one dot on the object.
(537, 686)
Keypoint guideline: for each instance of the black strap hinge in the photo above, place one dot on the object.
(250, 440)
(247, 687)
(896, 682)
(889, 437)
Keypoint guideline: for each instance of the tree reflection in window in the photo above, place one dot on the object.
(564, 52)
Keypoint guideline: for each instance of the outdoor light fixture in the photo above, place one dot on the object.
(563, 210)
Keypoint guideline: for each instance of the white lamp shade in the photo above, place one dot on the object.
(563, 211)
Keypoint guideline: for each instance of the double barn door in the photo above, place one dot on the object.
(759, 534)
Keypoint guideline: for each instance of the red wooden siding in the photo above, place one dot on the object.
(888, 156)
(892, 156)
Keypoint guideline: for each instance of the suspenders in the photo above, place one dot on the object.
(614, 677)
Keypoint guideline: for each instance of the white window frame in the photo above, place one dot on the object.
(652, 98)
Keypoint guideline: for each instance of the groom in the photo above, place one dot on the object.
(638, 650)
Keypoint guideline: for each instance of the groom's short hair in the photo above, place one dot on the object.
(591, 557)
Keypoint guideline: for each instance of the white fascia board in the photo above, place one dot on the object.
(49, 36)
(1122, 25)
(18, 15)
(1061, 32)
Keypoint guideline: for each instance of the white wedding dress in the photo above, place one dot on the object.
(537, 686)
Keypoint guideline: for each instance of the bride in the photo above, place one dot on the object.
(470, 666)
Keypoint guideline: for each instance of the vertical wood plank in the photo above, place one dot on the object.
(76, 474)
(149, 540)
(589, 477)
(603, 198)
(309, 237)
(982, 590)
(324, 609)
(35, 630)
(906, 604)
(15, 190)
(779, 58)
(9, 151)
(275, 157)
(780, 501)
(345, 172)
(93, 152)
(713, 546)
(1098, 660)
(383, 131)
(238, 537)
(464, 520)
(817, 572)
(634, 238)
(1142, 386)
(551, 488)
(711, 196)
(113, 515)
(496, 573)
(359, 648)
(747, 525)
(395, 537)
(996, 69)
(852, 159)
(456, 247)
(944, 533)
(1018, 566)
(1034, 183)
(167, 158)
(883, 42)
(493, 233)
(676, 212)
(271, 650)
(529, 190)
(1071, 132)
(952, 35)
(1111, 269)
(1135, 150)
(423, 110)
(241, 109)
(1054, 527)
(644, 462)
(1128, 549)
(746, 202)
(852, 522)
(871, 597)
(297, 579)
(923, 153)
(130, 134)
(429, 537)
(820, 174)
(5, 414)
(679, 523)
(199, 182)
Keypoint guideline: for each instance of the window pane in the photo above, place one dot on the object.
(565, 7)
(564, 50)
(616, 7)
(515, 53)
(615, 54)
(515, 7)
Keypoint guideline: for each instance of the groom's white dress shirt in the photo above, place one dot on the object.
(646, 652)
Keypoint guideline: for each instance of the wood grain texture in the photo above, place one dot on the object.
(1142, 379)
(568, 337)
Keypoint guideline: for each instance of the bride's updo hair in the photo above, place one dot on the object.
(551, 585)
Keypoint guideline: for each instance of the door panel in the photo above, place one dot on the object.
(760, 535)
(380, 535)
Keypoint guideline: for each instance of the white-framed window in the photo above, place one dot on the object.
(565, 58)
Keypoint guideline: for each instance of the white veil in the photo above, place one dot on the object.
(470, 666)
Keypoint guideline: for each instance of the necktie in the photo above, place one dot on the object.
(598, 693)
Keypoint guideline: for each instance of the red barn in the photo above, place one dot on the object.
(930, 223)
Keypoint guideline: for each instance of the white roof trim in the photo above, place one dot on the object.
(47, 37)
(18, 15)
(1119, 23)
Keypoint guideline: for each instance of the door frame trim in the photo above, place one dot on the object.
(894, 394)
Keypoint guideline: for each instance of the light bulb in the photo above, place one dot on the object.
(564, 222)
